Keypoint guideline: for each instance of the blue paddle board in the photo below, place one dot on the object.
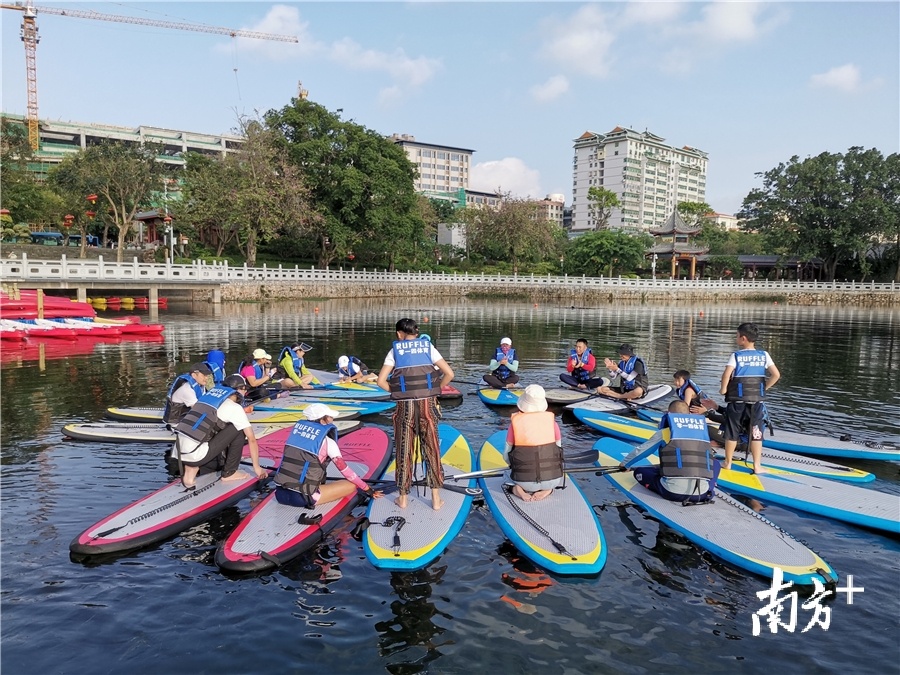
(500, 397)
(564, 520)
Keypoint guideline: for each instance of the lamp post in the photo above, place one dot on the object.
(653, 266)
(170, 233)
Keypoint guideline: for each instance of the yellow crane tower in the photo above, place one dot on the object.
(30, 38)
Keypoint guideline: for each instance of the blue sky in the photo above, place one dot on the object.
(751, 84)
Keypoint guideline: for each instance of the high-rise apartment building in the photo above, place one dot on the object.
(443, 170)
(649, 177)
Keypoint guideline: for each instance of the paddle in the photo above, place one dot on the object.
(391, 486)
(476, 384)
(586, 456)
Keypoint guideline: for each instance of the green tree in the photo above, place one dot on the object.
(513, 232)
(827, 206)
(20, 192)
(723, 266)
(607, 252)
(601, 202)
(889, 189)
(70, 189)
(360, 182)
(694, 214)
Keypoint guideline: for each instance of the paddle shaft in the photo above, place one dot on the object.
(587, 456)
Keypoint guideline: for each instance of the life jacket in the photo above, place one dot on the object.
(202, 422)
(627, 367)
(297, 361)
(748, 381)
(689, 384)
(354, 367)
(580, 371)
(687, 454)
(503, 372)
(215, 359)
(304, 465)
(174, 411)
(535, 456)
(414, 375)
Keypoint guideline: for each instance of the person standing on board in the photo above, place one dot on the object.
(185, 391)
(301, 479)
(632, 373)
(534, 447)
(580, 367)
(413, 373)
(212, 434)
(749, 373)
(503, 366)
(292, 361)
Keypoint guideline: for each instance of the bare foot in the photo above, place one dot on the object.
(402, 501)
(436, 501)
(540, 494)
(582, 386)
(759, 471)
(237, 475)
(726, 467)
(521, 494)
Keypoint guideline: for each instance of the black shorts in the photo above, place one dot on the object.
(748, 419)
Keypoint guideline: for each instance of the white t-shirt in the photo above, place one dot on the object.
(230, 412)
(185, 395)
(435, 356)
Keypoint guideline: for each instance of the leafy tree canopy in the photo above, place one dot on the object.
(608, 252)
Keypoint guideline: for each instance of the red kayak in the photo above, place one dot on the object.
(81, 328)
(32, 330)
(12, 334)
(34, 349)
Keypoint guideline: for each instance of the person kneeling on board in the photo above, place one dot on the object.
(698, 403)
(503, 366)
(310, 448)
(687, 471)
(534, 447)
(351, 369)
(211, 436)
(184, 392)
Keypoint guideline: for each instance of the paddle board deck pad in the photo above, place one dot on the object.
(275, 415)
(411, 538)
(293, 404)
(270, 535)
(173, 509)
(340, 394)
(566, 396)
(500, 397)
(565, 517)
(630, 429)
(604, 404)
(724, 527)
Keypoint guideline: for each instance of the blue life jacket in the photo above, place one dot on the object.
(202, 421)
(748, 381)
(172, 411)
(354, 367)
(680, 392)
(687, 454)
(215, 359)
(414, 375)
(297, 361)
(580, 371)
(502, 371)
(641, 380)
(301, 469)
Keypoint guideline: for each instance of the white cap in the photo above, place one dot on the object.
(506, 341)
(343, 362)
(260, 354)
(317, 411)
(533, 399)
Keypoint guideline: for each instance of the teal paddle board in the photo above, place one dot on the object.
(500, 397)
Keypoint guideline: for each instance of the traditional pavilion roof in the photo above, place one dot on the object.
(675, 225)
(679, 248)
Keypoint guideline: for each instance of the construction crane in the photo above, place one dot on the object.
(30, 37)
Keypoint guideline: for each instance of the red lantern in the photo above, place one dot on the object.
(69, 216)
(90, 214)
(92, 198)
(4, 212)
(351, 257)
(167, 220)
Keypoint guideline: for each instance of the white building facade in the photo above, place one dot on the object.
(443, 170)
(649, 177)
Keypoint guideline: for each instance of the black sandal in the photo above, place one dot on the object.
(309, 520)
(188, 488)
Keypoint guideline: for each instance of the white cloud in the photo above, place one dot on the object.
(581, 43)
(846, 78)
(651, 12)
(510, 174)
(404, 69)
(552, 89)
(281, 20)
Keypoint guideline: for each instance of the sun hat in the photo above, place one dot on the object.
(506, 341)
(201, 368)
(625, 350)
(260, 354)
(317, 411)
(303, 347)
(533, 399)
(343, 362)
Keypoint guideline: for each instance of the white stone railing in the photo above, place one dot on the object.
(24, 270)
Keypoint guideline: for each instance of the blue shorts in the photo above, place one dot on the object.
(294, 498)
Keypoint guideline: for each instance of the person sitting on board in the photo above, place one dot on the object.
(698, 403)
(292, 360)
(185, 391)
(580, 367)
(534, 447)
(687, 471)
(261, 377)
(503, 366)
(749, 373)
(632, 373)
(212, 434)
(414, 372)
(351, 369)
(301, 479)
(215, 361)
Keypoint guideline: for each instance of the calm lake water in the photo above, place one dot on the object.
(661, 604)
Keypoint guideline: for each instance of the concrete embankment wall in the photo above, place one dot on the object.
(262, 291)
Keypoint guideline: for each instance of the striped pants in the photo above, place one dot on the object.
(416, 436)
